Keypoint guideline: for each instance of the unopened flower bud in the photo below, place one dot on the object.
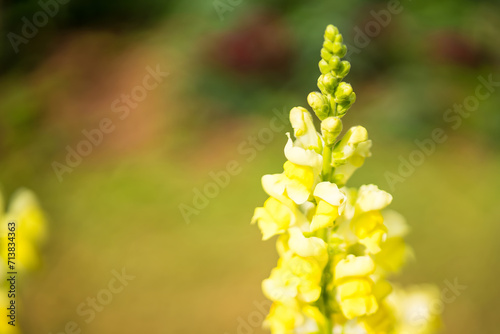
(327, 83)
(344, 69)
(331, 32)
(328, 46)
(331, 128)
(325, 54)
(343, 106)
(319, 103)
(338, 49)
(323, 66)
(356, 135)
(334, 62)
(343, 92)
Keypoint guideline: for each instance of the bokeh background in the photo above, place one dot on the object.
(230, 64)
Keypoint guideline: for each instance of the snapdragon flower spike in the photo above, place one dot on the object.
(338, 246)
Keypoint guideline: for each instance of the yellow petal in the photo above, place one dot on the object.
(354, 266)
(355, 288)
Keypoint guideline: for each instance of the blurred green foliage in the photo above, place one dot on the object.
(75, 14)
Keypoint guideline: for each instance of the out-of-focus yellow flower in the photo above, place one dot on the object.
(381, 322)
(370, 229)
(367, 221)
(395, 252)
(330, 205)
(24, 210)
(26, 235)
(355, 286)
(294, 318)
(415, 309)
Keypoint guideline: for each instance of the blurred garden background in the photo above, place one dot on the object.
(227, 67)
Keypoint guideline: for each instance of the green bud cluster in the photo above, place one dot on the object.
(336, 97)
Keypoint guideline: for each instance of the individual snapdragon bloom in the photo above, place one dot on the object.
(368, 222)
(299, 270)
(304, 130)
(350, 153)
(299, 181)
(330, 201)
(294, 318)
(301, 171)
(275, 217)
(307, 246)
(279, 212)
(395, 252)
(352, 276)
(295, 278)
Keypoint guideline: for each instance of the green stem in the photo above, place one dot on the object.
(327, 171)
(326, 278)
(327, 163)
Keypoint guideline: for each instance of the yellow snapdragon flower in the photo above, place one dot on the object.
(330, 201)
(355, 286)
(31, 226)
(295, 318)
(395, 252)
(337, 245)
(304, 130)
(413, 309)
(30, 232)
(368, 222)
(295, 277)
(275, 217)
(350, 153)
